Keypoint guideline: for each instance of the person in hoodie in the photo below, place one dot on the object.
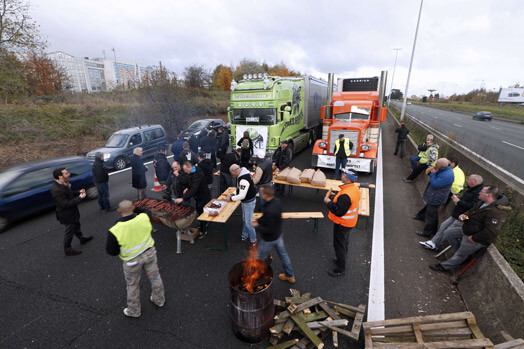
(101, 179)
(401, 139)
(428, 154)
(436, 194)
(162, 169)
(208, 145)
(207, 167)
(246, 193)
(197, 189)
(177, 147)
(453, 225)
(482, 224)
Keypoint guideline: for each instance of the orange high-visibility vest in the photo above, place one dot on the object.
(349, 219)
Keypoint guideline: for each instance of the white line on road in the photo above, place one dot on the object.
(128, 168)
(376, 307)
(435, 117)
(516, 146)
(496, 128)
(457, 125)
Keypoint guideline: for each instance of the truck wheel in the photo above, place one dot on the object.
(91, 193)
(120, 163)
(291, 150)
(311, 139)
(4, 223)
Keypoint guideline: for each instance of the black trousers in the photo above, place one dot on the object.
(400, 144)
(431, 217)
(70, 231)
(200, 209)
(340, 243)
(418, 170)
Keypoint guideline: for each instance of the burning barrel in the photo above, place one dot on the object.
(252, 301)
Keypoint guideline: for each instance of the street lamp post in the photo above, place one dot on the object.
(411, 64)
(393, 75)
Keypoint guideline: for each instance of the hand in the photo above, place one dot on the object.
(463, 217)
(455, 199)
(82, 190)
(82, 195)
(327, 200)
(164, 186)
(228, 198)
(471, 239)
(254, 223)
(185, 191)
(179, 200)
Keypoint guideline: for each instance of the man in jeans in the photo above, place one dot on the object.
(130, 238)
(343, 149)
(269, 226)
(246, 193)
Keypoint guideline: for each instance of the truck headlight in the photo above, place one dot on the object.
(107, 156)
(322, 144)
(365, 147)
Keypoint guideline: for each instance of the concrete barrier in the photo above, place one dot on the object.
(490, 288)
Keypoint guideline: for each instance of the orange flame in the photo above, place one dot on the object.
(253, 270)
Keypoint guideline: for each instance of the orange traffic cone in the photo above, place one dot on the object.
(157, 187)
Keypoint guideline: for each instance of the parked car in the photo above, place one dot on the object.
(120, 145)
(483, 115)
(200, 125)
(25, 189)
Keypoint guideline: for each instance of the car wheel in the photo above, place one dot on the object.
(91, 193)
(120, 163)
(4, 223)
(473, 117)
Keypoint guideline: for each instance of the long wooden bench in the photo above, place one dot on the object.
(315, 216)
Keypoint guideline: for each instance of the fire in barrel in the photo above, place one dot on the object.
(252, 301)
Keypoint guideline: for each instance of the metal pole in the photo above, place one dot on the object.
(411, 64)
(393, 75)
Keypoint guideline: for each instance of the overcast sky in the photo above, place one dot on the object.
(461, 45)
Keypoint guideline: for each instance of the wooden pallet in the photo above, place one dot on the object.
(455, 330)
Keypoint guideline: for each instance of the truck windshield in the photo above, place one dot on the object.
(352, 116)
(262, 116)
(117, 141)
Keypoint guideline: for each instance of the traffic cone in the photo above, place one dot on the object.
(156, 185)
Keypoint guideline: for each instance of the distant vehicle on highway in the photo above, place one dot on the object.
(408, 103)
(25, 189)
(483, 115)
(200, 125)
(120, 145)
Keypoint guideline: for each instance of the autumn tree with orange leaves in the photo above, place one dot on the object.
(282, 70)
(42, 76)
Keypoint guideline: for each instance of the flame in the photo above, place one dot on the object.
(253, 270)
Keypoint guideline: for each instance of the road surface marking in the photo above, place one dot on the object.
(435, 117)
(457, 125)
(516, 146)
(376, 309)
(128, 168)
(491, 163)
(496, 128)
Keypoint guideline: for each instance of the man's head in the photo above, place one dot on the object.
(126, 207)
(138, 151)
(234, 170)
(489, 194)
(267, 192)
(221, 128)
(260, 154)
(238, 150)
(187, 167)
(474, 180)
(341, 137)
(348, 176)
(185, 146)
(162, 150)
(453, 162)
(442, 162)
(201, 156)
(284, 144)
(99, 156)
(429, 139)
(246, 134)
(175, 166)
(61, 174)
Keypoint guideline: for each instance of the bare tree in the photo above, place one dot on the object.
(18, 31)
(196, 76)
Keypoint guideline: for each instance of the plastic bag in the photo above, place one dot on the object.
(319, 179)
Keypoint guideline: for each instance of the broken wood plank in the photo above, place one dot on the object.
(343, 332)
(302, 344)
(421, 319)
(293, 308)
(329, 311)
(296, 300)
(320, 324)
(288, 326)
(513, 344)
(307, 331)
(306, 295)
(278, 327)
(273, 340)
(335, 338)
(418, 332)
(468, 343)
(344, 311)
(313, 316)
(359, 318)
(284, 345)
(346, 306)
(279, 303)
(424, 327)
(294, 293)
(472, 322)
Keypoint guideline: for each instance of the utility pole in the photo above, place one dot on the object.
(411, 64)
(393, 75)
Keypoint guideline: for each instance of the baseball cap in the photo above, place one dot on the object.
(351, 174)
(260, 154)
(340, 135)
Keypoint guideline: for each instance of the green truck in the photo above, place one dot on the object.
(274, 108)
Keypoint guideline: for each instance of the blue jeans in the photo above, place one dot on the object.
(339, 162)
(248, 208)
(264, 247)
(103, 196)
(413, 160)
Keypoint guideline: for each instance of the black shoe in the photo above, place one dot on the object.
(418, 218)
(407, 180)
(110, 209)
(438, 267)
(101, 208)
(86, 239)
(421, 233)
(73, 252)
(251, 245)
(401, 156)
(336, 272)
(394, 153)
(334, 260)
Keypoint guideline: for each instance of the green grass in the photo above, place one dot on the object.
(506, 110)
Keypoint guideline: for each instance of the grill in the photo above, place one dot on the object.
(353, 136)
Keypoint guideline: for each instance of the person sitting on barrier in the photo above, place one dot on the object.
(269, 227)
(426, 157)
(481, 225)
(452, 226)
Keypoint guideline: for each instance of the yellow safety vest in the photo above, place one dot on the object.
(350, 218)
(133, 236)
(346, 146)
(424, 156)
(458, 183)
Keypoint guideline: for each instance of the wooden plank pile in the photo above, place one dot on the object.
(314, 318)
(455, 330)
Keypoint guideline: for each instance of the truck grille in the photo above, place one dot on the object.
(353, 136)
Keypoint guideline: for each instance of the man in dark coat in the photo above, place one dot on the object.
(193, 142)
(207, 167)
(177, 147)
(246, 144)
(162, 169)
(222, 142)
(401, 138)
(282, 156)
(208, 145)
(67, 211)
(101, 179)
(187, 155)
(138, 173)
(226, 180)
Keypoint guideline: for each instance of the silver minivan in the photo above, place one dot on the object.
(120, 145)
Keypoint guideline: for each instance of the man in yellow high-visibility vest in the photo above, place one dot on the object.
(130, 238)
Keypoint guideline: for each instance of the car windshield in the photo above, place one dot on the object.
(117, 140)
(351, 116)
(260, 116)
(197, 125)
(7, 176)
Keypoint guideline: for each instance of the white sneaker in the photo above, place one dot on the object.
(127, 312)
(430, 245)
(158, 305)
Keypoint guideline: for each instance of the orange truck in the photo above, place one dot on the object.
(356, 111)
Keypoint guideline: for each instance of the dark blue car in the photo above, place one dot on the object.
(25, 189)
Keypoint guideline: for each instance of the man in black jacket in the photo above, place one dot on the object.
(101, 179)
(269, 227)
(187, 155)
(282, 156)
(207, 167)
(263, 173)
(401, 138)
(67, 210)
(452, 227)
(222, 142)
(162, 169)
(226, 180)
(138, 173)
(208, 145)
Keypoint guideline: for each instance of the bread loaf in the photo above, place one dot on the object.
(294, 176)
(282, 175)
(319, 179)
(307, 175)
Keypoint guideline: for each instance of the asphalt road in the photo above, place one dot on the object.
(498, 141)
(49, 300)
